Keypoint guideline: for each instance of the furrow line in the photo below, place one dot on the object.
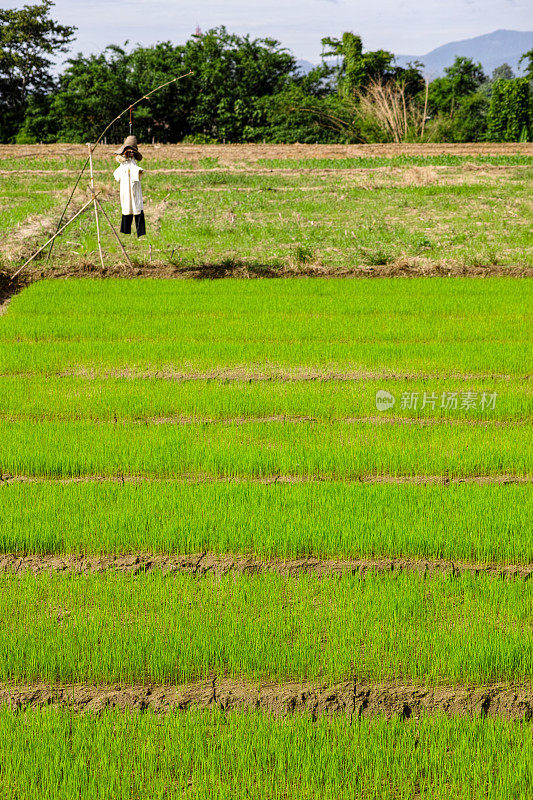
(6, 479)
(202, 564)
(350, 699)
(283, 418)
(244, 375)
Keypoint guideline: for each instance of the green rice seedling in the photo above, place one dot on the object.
(261, 449)
(488, 523)
(416, 327)
(376, 162)
(71, 397)
(212, 754)
(175, 628)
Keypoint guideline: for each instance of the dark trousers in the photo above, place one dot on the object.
(140, 226)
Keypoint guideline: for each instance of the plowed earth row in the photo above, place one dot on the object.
(202, 564)
(418, 480)
(350, 699)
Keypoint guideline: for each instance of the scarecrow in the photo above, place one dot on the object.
(129, 175)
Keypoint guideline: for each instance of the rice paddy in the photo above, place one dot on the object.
(489, 523)
(217, 755)
(261, 421)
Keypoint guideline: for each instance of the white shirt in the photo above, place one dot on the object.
(131, 196)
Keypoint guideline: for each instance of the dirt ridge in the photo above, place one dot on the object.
(349, 699)
(8, 289)
(6, 479)
(251, 375)
(412, 267)
(206, 563)
(293, 419)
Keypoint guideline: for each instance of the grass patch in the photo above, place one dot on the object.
(163, 629)
(490, 523)
(416, 326)
(218, 755)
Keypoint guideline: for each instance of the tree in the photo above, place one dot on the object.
(28, 37)
(460, 80)
(502, 73)
(220, 102)
(231, 74)
(528, 58)
(357, 70)
(467, 124)
(509, 117)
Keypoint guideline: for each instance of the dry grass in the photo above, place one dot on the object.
(229, 154)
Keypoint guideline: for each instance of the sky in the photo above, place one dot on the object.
(407, 27)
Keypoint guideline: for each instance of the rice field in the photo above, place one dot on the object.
(217, 755)
(388, 327)
(488, 524)
(406, 628)
(323, 420)
(268, 207)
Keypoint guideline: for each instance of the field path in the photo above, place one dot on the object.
(202, 564)
(349, 699)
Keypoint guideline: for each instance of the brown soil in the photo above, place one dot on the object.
(8, 288)
(414, 421)
(180, 421)
(231, 153)
(406, 268)
(250, 375)
(349, 699)
(202, 564)
(443, 480)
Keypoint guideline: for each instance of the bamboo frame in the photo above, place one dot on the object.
(93, 147)
(57, 233)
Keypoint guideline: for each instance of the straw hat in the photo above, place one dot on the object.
(130, 143)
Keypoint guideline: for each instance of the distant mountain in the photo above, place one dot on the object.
(304, 66)
(492, 50)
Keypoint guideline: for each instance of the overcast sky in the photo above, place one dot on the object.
(410, 27)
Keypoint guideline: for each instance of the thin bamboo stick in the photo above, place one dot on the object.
(425, 107)
(57, 233)
(102, 209)
(95, 206)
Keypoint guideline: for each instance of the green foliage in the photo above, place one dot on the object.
(503, 72)
(528, 58)
(221, 102)
(463, 78)
(243, 90)
(466, 124)
(357, 69)
(28, 36)
(298, 113)
(510, 114)
(231, 74)
(459, 103)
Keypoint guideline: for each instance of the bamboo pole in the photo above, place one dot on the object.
(425, 107)
(102, 209)
(57, 233)
(95, 206)
(93, 148)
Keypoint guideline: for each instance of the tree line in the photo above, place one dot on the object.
(247, 90)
